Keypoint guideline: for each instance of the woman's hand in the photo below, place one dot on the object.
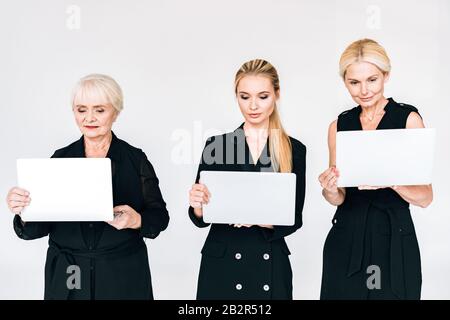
(17, 199)
(198, 196)
(268, 226)
(375, 187)
(328, 180)
(238, 225)
(125, 217)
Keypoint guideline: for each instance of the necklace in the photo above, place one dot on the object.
(373, 116)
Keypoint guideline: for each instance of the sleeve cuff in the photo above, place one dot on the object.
(150, 229)
(18, 225)
(199, 222)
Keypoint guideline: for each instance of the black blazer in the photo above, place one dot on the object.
(113, 263)
(246, 263)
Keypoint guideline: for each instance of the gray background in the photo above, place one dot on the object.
(175, 61)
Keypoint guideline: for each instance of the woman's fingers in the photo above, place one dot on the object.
(198, 187)
(331, 184)
(199, 195)
(121, 208)
(14, 204)
(207, 191)
(196, 198)
(120, 221)
(20, 199)
(126, 218)
(336, 172)
(19, 191)
(195, 204)
(325, 176)
(328, 182)
(114, 224)
(17, 197)
(329, 178)
(365, 187)
(201, 187)
(17, 210)
(240, 225)
(269, 226)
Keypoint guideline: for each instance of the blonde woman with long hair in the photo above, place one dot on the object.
(249, 261)
(371, 251)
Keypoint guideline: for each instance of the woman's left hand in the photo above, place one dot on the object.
(125, 217)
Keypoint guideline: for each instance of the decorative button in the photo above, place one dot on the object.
(334, 221)
(238, 286)
(266, 256)
(266, 287)
(238, 256)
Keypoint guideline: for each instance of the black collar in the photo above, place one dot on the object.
(240, 133)
(78, 150)
(390, 103)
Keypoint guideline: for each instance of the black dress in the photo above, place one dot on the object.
(246, 263)
(372, 228)
(113, 263)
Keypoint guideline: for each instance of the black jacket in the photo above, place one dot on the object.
(113, 263)
(247, 263)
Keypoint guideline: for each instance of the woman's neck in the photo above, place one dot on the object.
(98, 144)
(257, 132)
(377, 109)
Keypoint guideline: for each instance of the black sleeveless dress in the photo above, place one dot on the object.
(372, 228)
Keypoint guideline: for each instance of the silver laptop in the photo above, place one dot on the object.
(69, 189)
(385, 157)
(250, 197)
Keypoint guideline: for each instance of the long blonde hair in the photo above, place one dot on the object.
(366, 50)
(279, 143)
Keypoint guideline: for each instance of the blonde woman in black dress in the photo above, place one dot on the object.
(372, 225)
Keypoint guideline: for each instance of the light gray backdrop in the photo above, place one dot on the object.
(175, 61)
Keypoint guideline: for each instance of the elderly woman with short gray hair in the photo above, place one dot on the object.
(111, 256)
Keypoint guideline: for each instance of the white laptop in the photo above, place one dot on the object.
(67, 189)
(249, 197)
(385, 157)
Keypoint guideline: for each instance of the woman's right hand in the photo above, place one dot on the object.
(328, 180)
(17, 199)
(198, 196)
